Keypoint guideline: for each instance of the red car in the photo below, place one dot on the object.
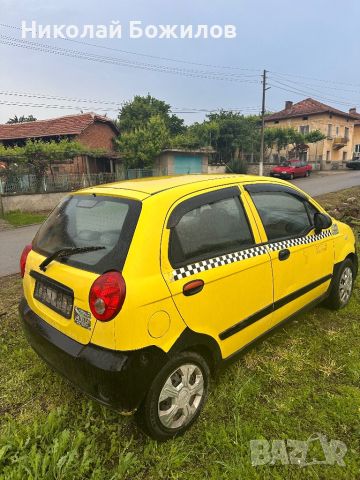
(291, 169)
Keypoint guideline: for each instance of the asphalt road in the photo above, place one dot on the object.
(13, 241)
(326, 182)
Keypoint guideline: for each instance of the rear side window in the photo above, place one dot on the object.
(283, 215)
(210, 230)
(89, 221)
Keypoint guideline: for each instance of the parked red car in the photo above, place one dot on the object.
(291, 169)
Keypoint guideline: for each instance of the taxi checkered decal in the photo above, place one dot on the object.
(211, 263)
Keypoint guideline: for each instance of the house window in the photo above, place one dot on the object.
(346, 133)
(276, 121)
(304, 129)
(337, 131)
(328, 156)
(329, 130)
(344, 156)
(357, 148)
(305, 118)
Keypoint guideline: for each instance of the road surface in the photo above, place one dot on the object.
(13, 241)
(326, 182)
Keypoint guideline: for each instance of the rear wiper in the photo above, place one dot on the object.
(66, 252)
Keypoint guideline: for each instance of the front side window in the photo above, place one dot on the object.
(210, 230)
(283, 214)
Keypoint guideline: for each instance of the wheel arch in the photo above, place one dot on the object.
(205, 345)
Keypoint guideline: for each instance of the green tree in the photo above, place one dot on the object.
(141, 146)
(40, 155)
(22, 119)
(137, 113)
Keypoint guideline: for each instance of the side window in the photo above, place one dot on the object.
(208, 231)
(283, 214)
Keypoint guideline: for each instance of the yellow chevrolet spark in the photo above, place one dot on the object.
(136, 291)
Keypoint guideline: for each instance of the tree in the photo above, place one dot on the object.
(40, 155)
(141, 146)
(22, 119)
(137, 113)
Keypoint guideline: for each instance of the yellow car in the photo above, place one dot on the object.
(136, 291)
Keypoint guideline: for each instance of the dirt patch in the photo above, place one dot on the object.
(343, 205)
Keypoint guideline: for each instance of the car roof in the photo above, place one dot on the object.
(142, 188)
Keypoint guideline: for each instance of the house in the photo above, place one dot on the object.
(89, 129)
(179, 162)
(356, 139)
(339, 127)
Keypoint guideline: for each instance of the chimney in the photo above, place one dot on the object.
(352, 111)
(288, 104)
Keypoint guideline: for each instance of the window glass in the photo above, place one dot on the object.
(90, 221)
(210, 230)
(283, 215)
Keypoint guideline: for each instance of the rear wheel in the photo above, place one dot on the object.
(342, 286)
(176, 397)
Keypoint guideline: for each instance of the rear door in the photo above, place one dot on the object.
(218, 272)
(302, 261)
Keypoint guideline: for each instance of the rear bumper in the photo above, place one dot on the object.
(117, 379)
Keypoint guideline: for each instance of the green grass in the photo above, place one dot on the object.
(19, 219)
(302, 380)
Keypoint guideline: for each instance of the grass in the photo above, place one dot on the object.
(19, 219)
(302, 381)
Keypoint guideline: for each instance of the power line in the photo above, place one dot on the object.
(7, 40)
(322, 80)
(156, 57)
(306, 93)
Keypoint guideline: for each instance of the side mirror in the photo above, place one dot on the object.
(321, 221)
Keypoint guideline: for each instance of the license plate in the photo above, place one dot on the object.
(58, 298)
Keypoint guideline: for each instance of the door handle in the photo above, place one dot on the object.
(284, 254)
(193, 287)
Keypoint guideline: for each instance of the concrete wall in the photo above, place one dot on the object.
(216, 169)
(253, 168)
(37, 202)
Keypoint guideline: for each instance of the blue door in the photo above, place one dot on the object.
(184, 164)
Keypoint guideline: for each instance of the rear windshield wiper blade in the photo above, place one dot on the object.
(66, 252)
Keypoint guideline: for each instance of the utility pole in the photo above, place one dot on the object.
(264, 88)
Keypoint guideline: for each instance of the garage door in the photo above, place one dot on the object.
(187, 164)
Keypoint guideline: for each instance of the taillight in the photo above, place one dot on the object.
(107, 295)
(23, 259)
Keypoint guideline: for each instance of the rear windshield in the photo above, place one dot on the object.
(90, 221)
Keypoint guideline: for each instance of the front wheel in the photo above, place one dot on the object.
(342, 286)
(176, 397)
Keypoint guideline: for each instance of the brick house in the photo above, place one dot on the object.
(340, 129)
(89, 129)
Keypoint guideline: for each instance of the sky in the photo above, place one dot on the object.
(309, 48)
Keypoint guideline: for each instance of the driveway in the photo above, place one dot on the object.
(13, 241)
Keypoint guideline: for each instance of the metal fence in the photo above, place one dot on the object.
(20, 183)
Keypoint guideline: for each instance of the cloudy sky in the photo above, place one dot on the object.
(310, 48)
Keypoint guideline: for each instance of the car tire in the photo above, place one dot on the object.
(186, 372)
(341, 286)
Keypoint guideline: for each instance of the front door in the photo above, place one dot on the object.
(219, 277)
(302, 261)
